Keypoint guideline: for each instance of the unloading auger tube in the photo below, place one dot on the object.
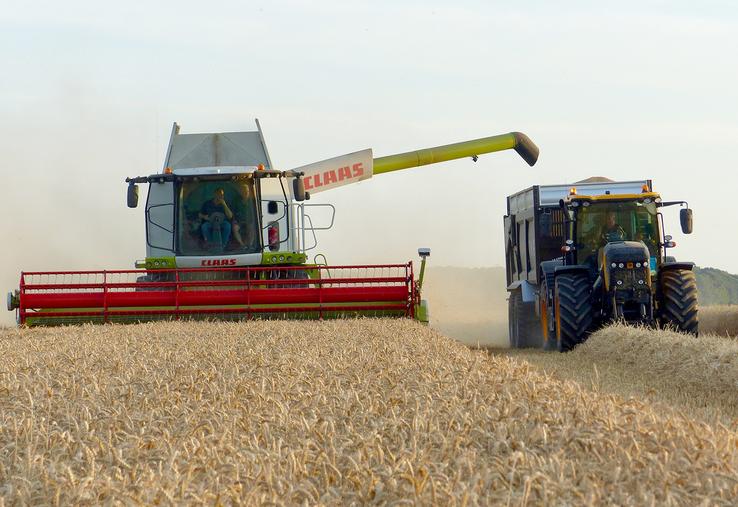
(512, 141)
(361, 165)
(236, 291)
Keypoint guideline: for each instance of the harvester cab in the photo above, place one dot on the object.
(228, 237)
(219, 202)
(613, 264)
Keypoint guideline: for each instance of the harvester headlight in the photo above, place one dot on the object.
(585, 203)
(619, 282)
(621, 265)
(614, 265)
(281, 258)
(640, 282)
(638, 264)
(156, 263)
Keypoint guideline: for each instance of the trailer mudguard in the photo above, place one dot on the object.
(527, 290)
(570, 269)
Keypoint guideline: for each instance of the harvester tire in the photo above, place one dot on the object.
(679, 307)
(524, 329)
(572, 310)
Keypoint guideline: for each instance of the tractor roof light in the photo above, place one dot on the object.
(260, 167)
(645, 189)
(573, 191)
(168, 170)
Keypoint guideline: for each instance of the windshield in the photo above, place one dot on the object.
(217, 217)
(603, 222)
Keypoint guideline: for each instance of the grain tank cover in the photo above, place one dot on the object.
(216, 150)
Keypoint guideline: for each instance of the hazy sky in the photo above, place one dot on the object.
(88, 93)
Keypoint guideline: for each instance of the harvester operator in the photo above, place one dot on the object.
(218, 204)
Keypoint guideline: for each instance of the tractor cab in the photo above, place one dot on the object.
(598, 223)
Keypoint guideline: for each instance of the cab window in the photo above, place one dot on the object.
(601, 223)
(217, 217)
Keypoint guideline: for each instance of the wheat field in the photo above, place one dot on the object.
(351, 412)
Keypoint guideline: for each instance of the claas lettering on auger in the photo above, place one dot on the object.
(228, 236)
(581, 255)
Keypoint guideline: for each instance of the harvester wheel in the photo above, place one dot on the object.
(679, 307)
(524, 328)
(572, 310)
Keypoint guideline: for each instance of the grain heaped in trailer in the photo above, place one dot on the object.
(229, 236)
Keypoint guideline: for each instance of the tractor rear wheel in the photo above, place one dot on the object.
(679, 305)
(524, 329)
(572, 310)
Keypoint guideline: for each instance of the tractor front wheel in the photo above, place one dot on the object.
(679, 305)
(572, 310)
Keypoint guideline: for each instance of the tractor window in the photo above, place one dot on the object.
(603, 222)
(217, 217)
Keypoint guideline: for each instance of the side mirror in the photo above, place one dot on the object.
(685, 217)
(132, 195)
(298, 189)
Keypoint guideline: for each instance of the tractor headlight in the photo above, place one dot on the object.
(619, 282)
(621, 265)
(614, 265)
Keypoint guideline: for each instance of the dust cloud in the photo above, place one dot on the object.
(63, 190)
(468, 304)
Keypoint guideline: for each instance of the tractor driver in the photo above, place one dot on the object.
(611, 231)
(218, 204)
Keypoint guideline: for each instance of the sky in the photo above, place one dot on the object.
(629, 90)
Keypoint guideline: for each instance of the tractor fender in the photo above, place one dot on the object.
(527, 290)
(670, 266)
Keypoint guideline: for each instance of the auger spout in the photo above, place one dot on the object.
(514, 140)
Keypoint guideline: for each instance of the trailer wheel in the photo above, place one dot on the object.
(547, 335)
(572, 310)
(679, 307)
(524, 328)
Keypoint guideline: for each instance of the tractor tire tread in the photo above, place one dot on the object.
(680, 305)
(574, 310)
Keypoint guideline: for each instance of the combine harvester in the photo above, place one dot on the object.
(228, 236)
